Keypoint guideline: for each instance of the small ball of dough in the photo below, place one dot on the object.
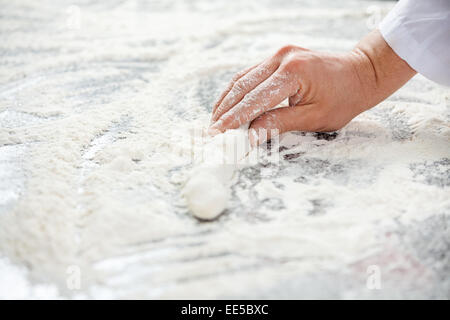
(206, 195)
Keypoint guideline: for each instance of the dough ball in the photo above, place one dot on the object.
(206, 195)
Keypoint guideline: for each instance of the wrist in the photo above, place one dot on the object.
(380, 71)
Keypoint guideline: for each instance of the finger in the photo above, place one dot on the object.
(300, 118)
(235, 78)
(245, 85)
(295, 99)
(267, 95)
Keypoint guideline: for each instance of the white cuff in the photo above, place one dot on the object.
(419, 33)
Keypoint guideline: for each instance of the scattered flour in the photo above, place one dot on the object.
(95, 145)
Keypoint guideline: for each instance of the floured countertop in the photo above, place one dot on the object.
(97, 103)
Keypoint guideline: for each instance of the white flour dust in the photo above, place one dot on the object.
(97, 170)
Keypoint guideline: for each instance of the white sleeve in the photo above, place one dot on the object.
(419, 33)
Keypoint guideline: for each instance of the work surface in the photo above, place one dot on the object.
(96, 102)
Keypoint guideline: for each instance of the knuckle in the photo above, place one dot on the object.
(219, 110)
(233, 80)
(237, 76)
(291, 65)
(286, 49)
(290, 49)
(239, 86)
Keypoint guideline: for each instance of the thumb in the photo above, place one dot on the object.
(277, 121)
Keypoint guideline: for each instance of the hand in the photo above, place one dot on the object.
(325, 91)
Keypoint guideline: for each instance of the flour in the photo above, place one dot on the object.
(96, 155)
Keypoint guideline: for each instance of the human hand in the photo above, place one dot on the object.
(325, 91)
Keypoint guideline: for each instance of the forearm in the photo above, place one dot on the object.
(380, 70)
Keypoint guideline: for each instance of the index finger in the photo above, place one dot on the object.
(244, 85)
(230, 85)
(267, 95)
